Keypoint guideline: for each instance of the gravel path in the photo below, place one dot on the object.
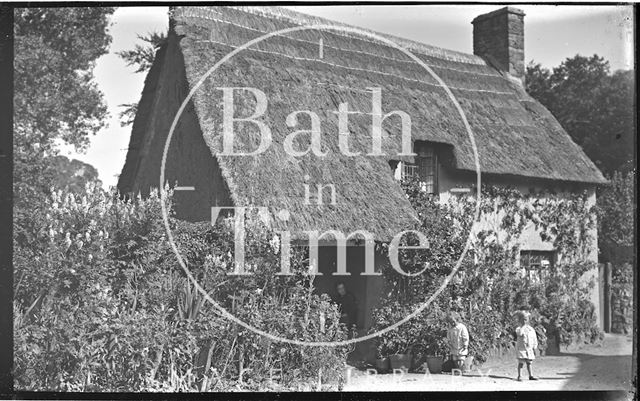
(606, 366)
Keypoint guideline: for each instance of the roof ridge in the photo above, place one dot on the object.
(360, 69)
(495, 74)
(298, 18)
(522, 137)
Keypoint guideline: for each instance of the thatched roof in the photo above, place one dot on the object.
(514, 134)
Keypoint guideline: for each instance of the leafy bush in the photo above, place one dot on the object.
(102, 305)
(421, 336)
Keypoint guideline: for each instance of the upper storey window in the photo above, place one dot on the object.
(425, 167)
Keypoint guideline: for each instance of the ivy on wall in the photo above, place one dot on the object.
(490, 285)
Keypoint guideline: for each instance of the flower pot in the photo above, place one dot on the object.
(553, 344)
(401, 361)
(382, 365)
(434, 363)
(468, 361)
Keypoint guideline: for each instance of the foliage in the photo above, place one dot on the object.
(56, 101)
(594, 106)
(141, 57)
(616, 211)
(99, 301)
(73, 174)
(622, 298)
(101, 305)
(422, 335)
(489, 285)
(616, 216)
(597, 110)
(128, 113)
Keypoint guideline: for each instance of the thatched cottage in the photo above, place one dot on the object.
(518, 141)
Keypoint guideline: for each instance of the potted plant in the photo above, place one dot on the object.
(399, 345)
(393, 347)
(401, 360)
(382, 365)
(382, 359)
(435, 351)
(392, 352)
(434, 363)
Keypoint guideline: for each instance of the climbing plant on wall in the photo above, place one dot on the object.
(490, 285)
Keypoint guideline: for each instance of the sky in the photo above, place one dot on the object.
(552, 34)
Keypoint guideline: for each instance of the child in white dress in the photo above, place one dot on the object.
(527, 342)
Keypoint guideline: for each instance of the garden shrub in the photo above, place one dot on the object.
(101, 304)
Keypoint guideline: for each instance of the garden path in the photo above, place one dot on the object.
(605, 366)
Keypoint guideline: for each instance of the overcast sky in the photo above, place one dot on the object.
(552, 33)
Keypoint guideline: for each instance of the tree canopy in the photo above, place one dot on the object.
(73, 174)
(55, 94)
(616, 211)
(595, 106)
(56, 99)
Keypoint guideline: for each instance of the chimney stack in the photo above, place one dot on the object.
(498, 37)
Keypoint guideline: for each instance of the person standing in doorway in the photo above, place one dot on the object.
(348, 306)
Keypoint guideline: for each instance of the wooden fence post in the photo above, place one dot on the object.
(607, 297)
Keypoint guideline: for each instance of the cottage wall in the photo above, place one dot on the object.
(451, 181)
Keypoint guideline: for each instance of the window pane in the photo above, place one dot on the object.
(430, 184)
(537, 264)
(429, 188)
(409, 170)
(425, 167)
(535, 259)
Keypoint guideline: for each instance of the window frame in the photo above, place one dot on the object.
(537, 271)
(425, 152)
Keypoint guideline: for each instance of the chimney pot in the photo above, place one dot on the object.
(498, 37)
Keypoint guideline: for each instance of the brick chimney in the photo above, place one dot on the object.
(498, 37)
